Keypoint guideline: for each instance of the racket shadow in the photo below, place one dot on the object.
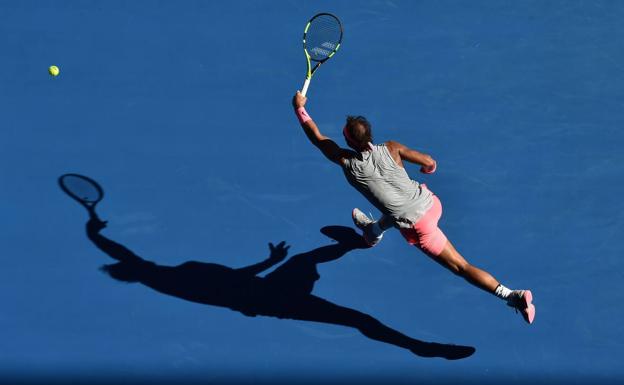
(284, 293)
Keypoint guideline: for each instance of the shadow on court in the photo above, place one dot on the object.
(284, 293)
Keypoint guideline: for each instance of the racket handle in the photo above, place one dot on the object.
(91, 211)
(304, 89)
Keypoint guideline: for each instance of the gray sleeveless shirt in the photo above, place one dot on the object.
(387, 186)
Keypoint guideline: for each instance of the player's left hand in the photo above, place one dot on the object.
(430, 169)
(299, 100)
(279, 252)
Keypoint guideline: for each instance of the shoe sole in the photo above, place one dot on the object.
(529, 309)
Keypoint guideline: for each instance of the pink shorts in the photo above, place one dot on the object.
(425, 234)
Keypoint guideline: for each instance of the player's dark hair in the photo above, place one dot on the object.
(359, 130)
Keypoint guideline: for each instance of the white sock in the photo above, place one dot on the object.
(502, 292)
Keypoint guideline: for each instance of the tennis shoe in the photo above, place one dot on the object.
(364, 223)
(521, 300)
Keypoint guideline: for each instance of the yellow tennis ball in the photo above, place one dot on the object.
(54, 70)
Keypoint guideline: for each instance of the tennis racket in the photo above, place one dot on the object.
(321, 39)
(83, 190)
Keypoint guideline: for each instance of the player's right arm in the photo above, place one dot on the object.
(113, 249)
(328, 147)
(402, 153)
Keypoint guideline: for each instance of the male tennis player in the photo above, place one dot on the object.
(377, 172)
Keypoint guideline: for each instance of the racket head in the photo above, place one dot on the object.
(82, 189)
(322, 37)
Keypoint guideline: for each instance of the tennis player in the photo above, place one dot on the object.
(376, 171)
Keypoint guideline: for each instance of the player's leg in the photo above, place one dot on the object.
(427, 236)
(372, 230)
(312, 308)
(455, 262)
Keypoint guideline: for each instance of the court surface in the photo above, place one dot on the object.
(181, 111)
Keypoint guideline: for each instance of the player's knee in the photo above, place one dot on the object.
(368, 325)
(460, 268)
(457, 267)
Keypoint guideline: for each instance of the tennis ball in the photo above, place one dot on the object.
(54, 70)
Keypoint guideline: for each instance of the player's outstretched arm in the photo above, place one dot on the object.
(113, 249)
(328, 147)
(405, 153)
(278, 254)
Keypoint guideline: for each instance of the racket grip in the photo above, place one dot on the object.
(304, 89)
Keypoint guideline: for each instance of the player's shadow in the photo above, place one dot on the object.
(283, 293)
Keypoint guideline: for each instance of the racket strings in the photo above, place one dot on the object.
(81, 189)
(323, 37)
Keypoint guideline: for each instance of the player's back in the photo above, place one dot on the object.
(387, 185)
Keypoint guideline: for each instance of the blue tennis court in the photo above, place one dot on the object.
(182, 112)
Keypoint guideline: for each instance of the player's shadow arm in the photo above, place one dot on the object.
(284, 293)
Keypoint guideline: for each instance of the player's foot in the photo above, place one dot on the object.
(345, 235)
(447, 351)
(522, 300)
(363, 222)
(360, 219)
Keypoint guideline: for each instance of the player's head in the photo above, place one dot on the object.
(357, 133)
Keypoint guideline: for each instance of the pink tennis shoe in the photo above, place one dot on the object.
(522, 300)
